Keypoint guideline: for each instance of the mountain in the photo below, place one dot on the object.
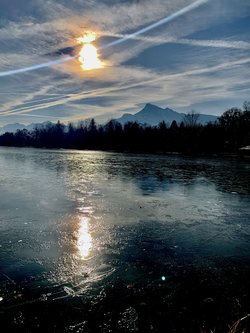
(149, 115)
(12, 128)
(153, 115)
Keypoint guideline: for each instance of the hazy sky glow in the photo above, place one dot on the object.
(198, 59)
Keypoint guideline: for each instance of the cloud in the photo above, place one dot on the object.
(201, 72)
(196, 84)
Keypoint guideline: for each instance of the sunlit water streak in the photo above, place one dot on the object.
(84, 240)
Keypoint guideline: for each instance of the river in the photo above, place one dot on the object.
(104, 242)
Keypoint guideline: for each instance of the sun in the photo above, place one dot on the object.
(88, 56)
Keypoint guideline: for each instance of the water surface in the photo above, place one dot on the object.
(106, 242)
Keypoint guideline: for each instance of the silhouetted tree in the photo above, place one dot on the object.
(230, 122)
(246, 106)
(191, 119)
(162, 126)
(231, 132)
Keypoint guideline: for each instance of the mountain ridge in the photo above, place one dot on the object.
(153, 115)
(12, 128)
(150, 115)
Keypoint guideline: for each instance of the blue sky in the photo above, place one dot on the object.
(198, 61)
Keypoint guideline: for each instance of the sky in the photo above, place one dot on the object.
(197, 60)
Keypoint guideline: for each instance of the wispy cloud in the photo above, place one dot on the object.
(217, 43)
(172, 82)
(215, 69)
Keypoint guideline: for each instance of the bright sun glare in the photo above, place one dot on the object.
(84, 242)
(88, 55)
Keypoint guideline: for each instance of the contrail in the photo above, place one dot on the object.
(104, 91)
(165, 20)
(218, 43)
(32, 68)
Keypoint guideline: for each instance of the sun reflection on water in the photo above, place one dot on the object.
(84, 240)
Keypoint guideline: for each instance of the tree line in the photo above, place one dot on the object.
(229, 133)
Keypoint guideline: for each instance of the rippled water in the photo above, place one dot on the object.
(106, 242)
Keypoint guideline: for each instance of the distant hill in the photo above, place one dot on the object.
(153, 115)
(12, 128)
(149, 115)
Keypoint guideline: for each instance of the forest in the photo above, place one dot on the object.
(227, 135)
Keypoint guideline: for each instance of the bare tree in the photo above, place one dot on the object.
(246, 106)
(191, 119)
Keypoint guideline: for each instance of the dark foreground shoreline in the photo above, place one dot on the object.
(186, 299)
